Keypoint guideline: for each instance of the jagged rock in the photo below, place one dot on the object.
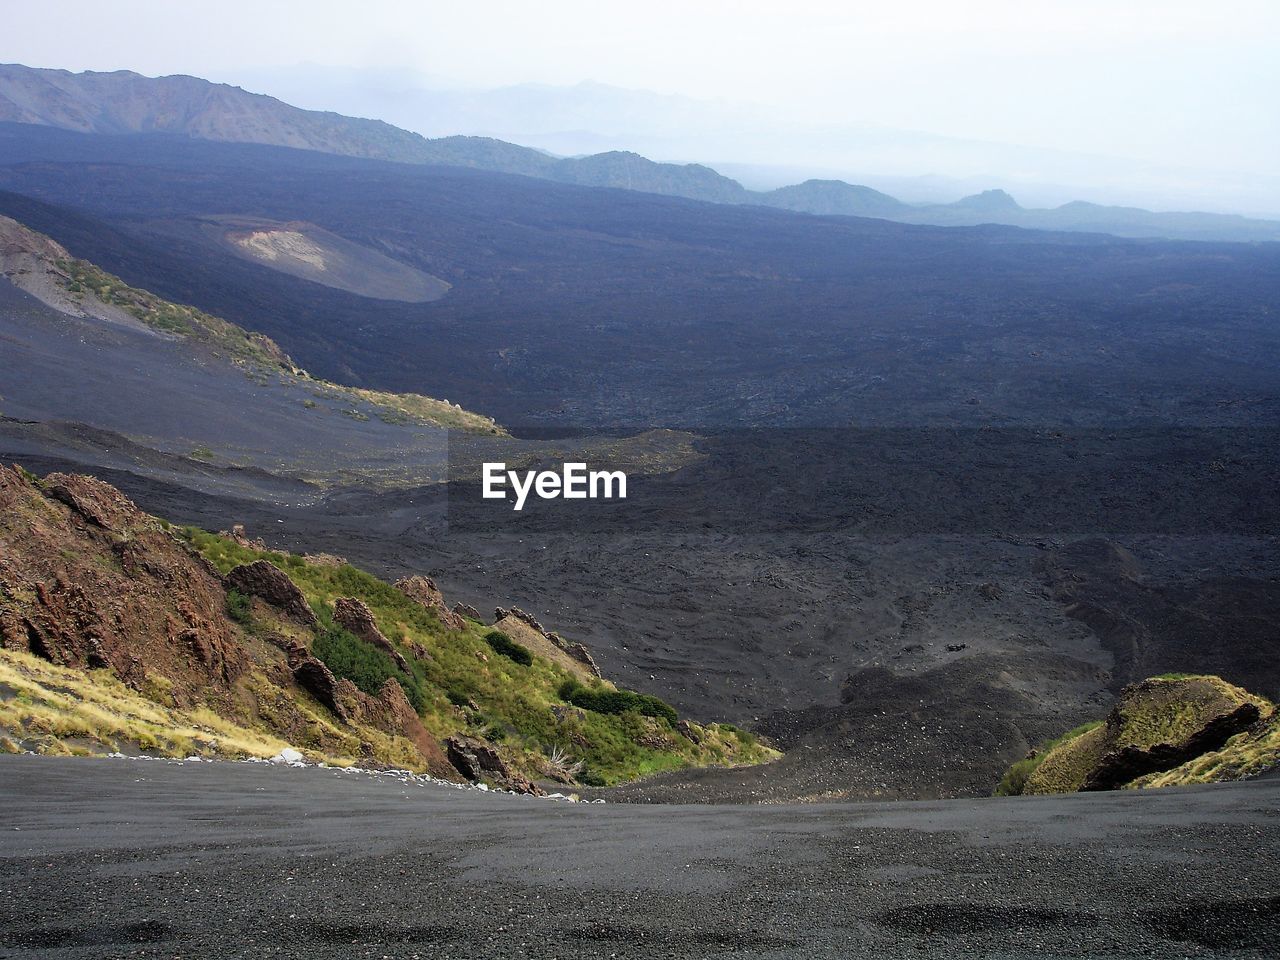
(318, 680)
(477, 760)
(237, 535)
(97, 502)
(352, 614)
(501, 613)
(269, 583)
(572, 649)
(1118, 767)
(688, 731)
(89, 580)
(404, 720)
(423, 590)
(391, 712)
(576, 650)
(468, 611)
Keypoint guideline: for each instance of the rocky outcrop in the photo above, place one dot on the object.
(318, 680)
(391, 712)
(423, 591)
(354, 615)
(272, 585)
(468, 611)
(402, 718)
(478, 761)
(575, 651)
(1129, 762)
(89, 580)
(238, 536)
(1155, 726)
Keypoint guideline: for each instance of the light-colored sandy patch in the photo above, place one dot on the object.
(287, 244)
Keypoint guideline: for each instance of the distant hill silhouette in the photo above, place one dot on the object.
(124, 102)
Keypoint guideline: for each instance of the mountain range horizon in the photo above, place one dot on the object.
(112, 103)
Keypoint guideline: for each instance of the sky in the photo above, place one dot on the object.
(1183, 83)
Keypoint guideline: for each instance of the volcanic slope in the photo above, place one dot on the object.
(82, 347)
(680, 313)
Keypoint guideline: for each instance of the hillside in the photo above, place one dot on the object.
(119, 632)
(88, 348)
(1169, 730)
(124, 102)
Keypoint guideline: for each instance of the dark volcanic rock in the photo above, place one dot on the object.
(268, 582)
(352, 614)
(477, 760)
(318, 680)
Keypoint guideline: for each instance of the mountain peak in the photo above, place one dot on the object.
(988, 200)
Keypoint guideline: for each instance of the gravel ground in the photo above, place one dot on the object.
(117, 858)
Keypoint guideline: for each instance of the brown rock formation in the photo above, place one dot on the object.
(391, 712)
(269, 583)
(87, 579)
(352, 614)
(423, 590)
(477, 760)
(468, 611)
(314, 677)
(523, 627)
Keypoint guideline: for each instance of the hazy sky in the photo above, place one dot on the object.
(1189, 81)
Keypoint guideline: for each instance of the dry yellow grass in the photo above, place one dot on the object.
(55, 709)
(1244, 755)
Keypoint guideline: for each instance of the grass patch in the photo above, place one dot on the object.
(1015, 778)
(46, 704)
(240, 608)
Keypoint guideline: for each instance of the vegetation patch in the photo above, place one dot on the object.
(362, 663)
(458, 685)
(1172, 729)
(1014, 781)
(51, 709)
(504, 645)
(259, 353)
(602, 700)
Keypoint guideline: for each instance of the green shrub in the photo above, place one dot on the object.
(616, 701)
(504, 645)
(239, 608)
(362, 663)
(1015, 778)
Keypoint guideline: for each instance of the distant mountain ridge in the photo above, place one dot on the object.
(124, 102)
